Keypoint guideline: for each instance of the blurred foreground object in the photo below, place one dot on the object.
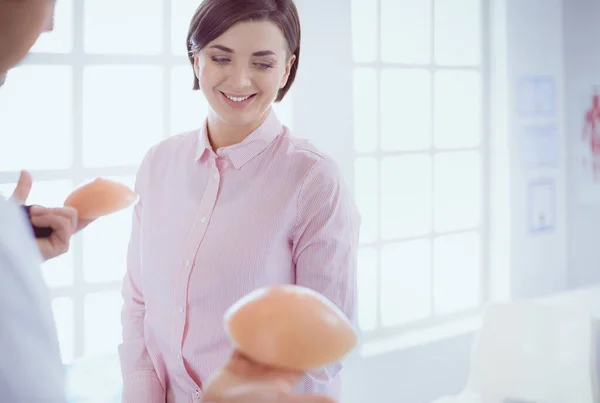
(278, 333)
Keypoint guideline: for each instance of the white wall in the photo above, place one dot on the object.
(582, 71)
(323, 87)
(534, 48)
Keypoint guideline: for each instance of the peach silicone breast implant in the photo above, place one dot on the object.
(289, 327)
(96, 199)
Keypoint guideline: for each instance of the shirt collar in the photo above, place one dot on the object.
(239, 154)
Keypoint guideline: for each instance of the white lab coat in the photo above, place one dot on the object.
(30, 364)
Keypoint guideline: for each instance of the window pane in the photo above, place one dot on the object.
(62, 309)
(60, 40)
(188, 107)
(457, 109)
(182, 12)
(123, 27)
(406, 196)
(35, 117)
(458, 32)
(405, 282)
(58, 272)
(46, 193)
(122, 113)
(102, 323)
(456, 272)
(406, 31)
(405, 110)
(364, 30)
(366, 187)
(367, 288)
(110, 233)
(457, 191)
(366, 122)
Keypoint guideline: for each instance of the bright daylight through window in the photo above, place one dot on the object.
(419, 140)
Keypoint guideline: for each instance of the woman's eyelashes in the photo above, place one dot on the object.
(220, 60)
(226, 60)
(264, 66)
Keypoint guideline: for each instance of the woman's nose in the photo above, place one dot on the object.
(240, 77)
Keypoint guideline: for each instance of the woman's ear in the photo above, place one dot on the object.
(197, 68)
(286, 74)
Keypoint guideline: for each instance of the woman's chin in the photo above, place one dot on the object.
(237, 117)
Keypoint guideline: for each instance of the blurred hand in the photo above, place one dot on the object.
(244, 381)
(62, 220)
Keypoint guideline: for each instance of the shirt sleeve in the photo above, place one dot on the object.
(325, 246)
(140, 381)
(30, 364)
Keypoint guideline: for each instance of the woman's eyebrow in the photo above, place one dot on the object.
(229, 50)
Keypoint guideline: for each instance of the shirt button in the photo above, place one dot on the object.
(203, 219)
(216, 176)
(180, 309)
(187, 262)
(179, 356)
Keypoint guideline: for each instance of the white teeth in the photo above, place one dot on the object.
(237, 99)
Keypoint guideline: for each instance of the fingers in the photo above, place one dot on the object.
(63, 221)
(241, 364)
(66, 212)
(24, 184)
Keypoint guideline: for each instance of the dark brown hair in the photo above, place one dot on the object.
(214, 17)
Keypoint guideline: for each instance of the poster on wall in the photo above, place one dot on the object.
(586, 146)
(540, 146)
(542, 206)
(536, 96)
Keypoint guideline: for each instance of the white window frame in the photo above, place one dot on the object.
(78, 59)
(435, 327)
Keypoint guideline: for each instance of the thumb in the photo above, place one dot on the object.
(21, 192)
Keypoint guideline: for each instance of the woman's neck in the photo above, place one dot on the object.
(222, 134)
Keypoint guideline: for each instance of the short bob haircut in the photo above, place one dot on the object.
(214, 17)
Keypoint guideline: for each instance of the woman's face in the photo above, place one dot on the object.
(241, 72)
(21, 23)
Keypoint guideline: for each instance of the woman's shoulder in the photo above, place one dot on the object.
(172, 146)
(309, 157)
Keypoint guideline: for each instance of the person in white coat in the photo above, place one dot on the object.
(30, 365)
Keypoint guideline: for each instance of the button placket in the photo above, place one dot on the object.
(193, 242)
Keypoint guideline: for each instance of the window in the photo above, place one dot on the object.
(88, 102)
(419, 139)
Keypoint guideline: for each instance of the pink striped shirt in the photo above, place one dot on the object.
(211, 227)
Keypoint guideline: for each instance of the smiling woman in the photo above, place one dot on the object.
(244, 60)
(241, 204)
